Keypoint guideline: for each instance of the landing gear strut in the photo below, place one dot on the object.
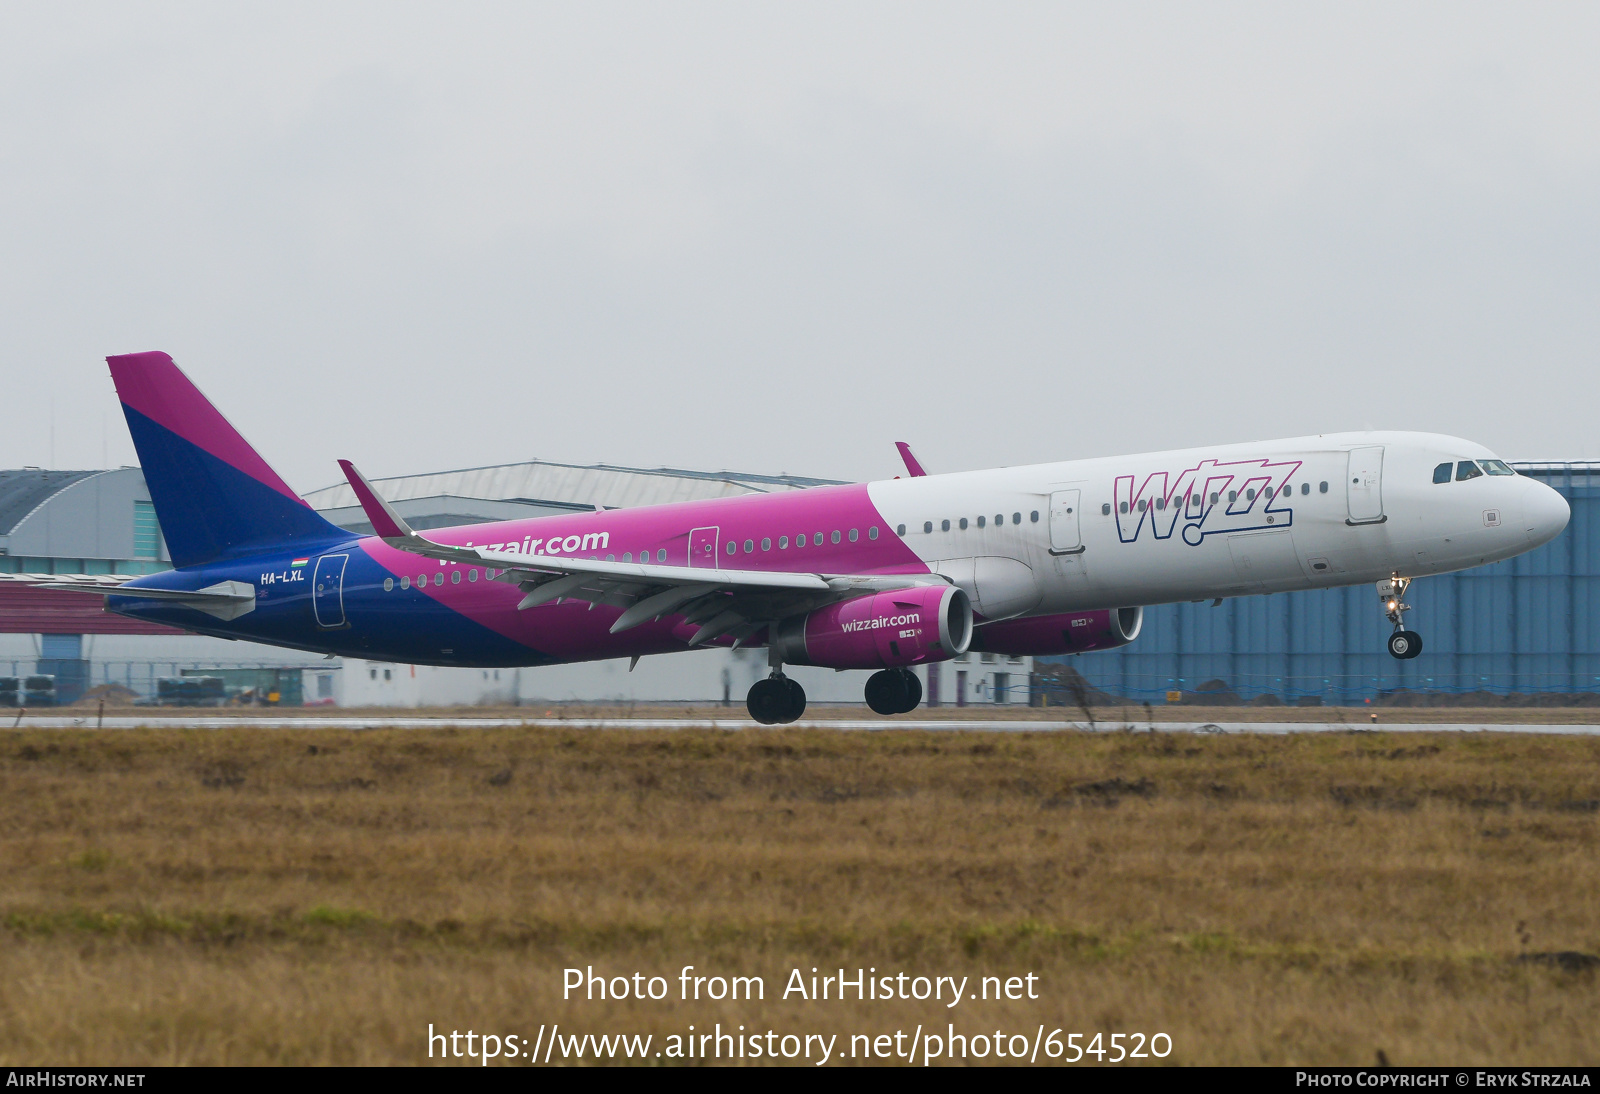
(777, 699)
(894, 691)
(1403, 644)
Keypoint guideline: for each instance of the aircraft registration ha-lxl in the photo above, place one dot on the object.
(1047, 559)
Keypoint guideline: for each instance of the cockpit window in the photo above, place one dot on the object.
(1442, 472)
(1466, 469)
(1496, 467)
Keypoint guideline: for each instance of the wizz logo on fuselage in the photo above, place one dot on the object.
(1208, 498)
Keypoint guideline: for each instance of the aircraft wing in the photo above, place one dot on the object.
(720, 602)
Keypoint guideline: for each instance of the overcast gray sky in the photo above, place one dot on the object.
(783, 236)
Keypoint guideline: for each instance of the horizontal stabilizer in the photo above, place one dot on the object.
(225, 599)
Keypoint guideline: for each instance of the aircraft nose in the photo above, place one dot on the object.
(1545, 512)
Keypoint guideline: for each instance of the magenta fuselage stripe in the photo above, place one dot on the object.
(574, 631)
(155, 387)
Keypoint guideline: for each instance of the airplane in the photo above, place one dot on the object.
(1047, 559)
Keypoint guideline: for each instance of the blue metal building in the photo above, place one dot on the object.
(1527, 626)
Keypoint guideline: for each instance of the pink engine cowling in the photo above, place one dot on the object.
(1071, 632)
(881, 630)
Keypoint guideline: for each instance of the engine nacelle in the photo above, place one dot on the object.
(1071, 632)
(881, 630)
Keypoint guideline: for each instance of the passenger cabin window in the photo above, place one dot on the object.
(963, 524)
(944, 526)
(1034, 516)
(783, 543)
(1441, 473)
(1322, 488)
(1105, 509)
(872, 533)
(1305, 488)
(766, 544)
(1122, 507)
(927, 527)
(816, 540)
(1016, 518)
(900, 529)
(981, 521)
(1466, 469)
(661, 555)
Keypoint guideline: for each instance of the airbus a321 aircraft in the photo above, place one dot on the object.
(1048, 559)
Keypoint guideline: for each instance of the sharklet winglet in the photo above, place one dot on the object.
(385, 521)
(913, 466)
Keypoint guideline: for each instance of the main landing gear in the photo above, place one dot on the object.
(894, 691)
(1403, 644)
(777, 699)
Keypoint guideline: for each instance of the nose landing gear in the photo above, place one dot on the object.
(894, 691)
(1403, 644)
(777, 699)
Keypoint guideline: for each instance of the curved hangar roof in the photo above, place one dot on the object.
(21, 492)
(537, 488)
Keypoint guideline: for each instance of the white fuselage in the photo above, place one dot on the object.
(1272, 516)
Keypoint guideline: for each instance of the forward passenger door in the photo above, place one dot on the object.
(1363, 483)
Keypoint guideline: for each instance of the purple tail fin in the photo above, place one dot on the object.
(215, 497)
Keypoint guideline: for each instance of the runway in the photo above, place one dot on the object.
(380, 721)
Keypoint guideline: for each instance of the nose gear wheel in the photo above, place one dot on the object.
(1403, 644)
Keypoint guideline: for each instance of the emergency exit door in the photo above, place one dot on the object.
(703, 547)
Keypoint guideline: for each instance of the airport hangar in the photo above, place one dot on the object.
(70, 522)
(1527, 627)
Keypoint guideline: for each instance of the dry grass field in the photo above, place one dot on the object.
(252, 896)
